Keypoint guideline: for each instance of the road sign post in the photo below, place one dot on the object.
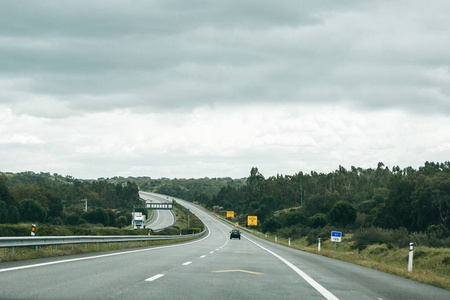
(188, 216)
(336, 237)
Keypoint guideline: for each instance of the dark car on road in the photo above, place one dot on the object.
(235, 234)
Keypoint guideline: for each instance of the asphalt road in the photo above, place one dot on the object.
(160, 218)
(212, 267)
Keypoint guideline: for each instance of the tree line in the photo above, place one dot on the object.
(383, 197)
(54, 199)
(416, 200)
(187, 189)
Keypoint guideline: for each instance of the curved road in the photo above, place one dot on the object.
(212, 267)
(160, 218)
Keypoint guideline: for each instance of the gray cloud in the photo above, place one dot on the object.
(83, 63)
(164, 54)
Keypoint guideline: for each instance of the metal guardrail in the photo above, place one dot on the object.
(39, 241)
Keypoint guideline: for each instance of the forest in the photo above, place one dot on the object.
(397, 199)
(54, 199)
(404, 200)
(183, 188)
(59, 200)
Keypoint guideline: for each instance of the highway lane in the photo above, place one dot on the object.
(332, 278)
(213, 267)
(160, 218)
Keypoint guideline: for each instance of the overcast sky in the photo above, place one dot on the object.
(192, 89)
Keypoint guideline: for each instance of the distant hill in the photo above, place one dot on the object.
(187, 189)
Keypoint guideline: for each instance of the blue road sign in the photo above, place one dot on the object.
(336, 236)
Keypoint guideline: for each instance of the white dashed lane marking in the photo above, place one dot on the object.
(153, 278)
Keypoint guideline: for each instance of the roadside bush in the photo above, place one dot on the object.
(293, 232)
(318, 220)
(399, 238)
(366, 206)
(122, 221)
(55, 221)
(190, 230)
(271, 224)
(315, 234)
(359, 245)
(440, 231)
(62, 232)
(13, 215)
(446, 261)
(169, 231)
(15, 230)
(342, 214)
(97, 215)
(3, 212)
(431, 240)
(195, 222)
(374, 235)
(294, 219)
(378, 250)
(32, 211)
(81, 222)
(72, 219)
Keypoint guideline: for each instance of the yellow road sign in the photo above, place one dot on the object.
(230, 214)
(252, 221)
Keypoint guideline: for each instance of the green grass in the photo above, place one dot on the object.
(23, 253)
(430, 265)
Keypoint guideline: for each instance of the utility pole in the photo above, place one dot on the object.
(85, 204)
(188, 217)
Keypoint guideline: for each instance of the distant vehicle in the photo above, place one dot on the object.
(235, 234)
(137, 220)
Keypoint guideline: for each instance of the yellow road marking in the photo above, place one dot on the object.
(243, 271)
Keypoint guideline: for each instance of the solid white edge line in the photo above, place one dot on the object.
(103, 255)
(153, 278)
(327, 294)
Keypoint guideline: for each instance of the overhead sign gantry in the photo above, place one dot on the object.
(152, 205)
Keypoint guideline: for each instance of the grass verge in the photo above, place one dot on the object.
(23, 253)
(430, 265)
